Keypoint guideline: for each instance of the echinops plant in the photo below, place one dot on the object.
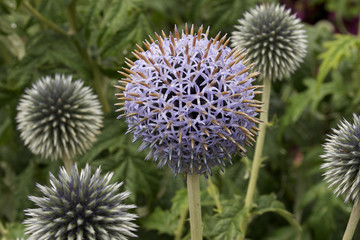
(59, 118)
(191, 100)
(274, 38)
(276, 41)
(80, 206)
(342, 167)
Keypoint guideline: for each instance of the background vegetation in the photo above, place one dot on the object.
(90, 39)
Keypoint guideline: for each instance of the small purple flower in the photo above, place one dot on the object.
(342, 159)
(191, 101)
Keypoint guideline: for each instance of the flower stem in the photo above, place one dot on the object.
(68, 163)
(353, 221)
(98, 83)
(193, 186)
(258, 153)
(71, 16)
(44, 19)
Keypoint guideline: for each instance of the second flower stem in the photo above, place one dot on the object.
(193, 185)
(68, 163)
(258, 152)
(353, 221)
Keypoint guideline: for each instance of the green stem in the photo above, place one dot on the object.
(357, 69)
(68, 163)
(193, 186)
(214, 194)
(44, 19)
(180, 226)
(258, 153)
(98, 83)
(71, 16)
(353, 221)
(3, 232)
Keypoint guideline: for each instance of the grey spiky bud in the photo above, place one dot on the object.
(274, 39)
(342, 159)
(80, 206)
(59, 117)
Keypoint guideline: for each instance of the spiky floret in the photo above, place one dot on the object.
(80, 206)
(342, 159)
(273, 38)
(191, 100)
(58, 117)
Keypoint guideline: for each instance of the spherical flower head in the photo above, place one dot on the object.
(191, 101)
(59, 117)
(273, 38)
(342, 159)
(80, 206)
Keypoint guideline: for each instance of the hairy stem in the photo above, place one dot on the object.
(193, 186)
(68, 163)
(353, 221)
(43, 19)
(258, 153)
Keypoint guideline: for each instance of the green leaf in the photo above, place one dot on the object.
(336, 50)
(167, 221)
(327, 212)
(268, 203)
(227, 223)
(116, 17)
(24, 188)
(126, 37)
(160, 220)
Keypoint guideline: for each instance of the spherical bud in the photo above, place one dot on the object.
(58, 117)
(342, 159)
(191, 101)
(273, 38)
(80, 206)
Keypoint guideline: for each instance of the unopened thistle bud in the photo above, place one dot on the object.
(191, 100)
(342, 159)
(273, 38)
(58, 116)
(80, 206)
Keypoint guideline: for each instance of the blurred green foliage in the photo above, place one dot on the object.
(90, 39)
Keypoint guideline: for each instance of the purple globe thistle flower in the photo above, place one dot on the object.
(58, 117)
(342, 159)
(191, 101)
(80, 206)
(274, 39)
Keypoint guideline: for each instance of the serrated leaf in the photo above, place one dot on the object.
(336, 50)
(269, 203)
(112, 136)
(167, 221)
(160, 220)
(180, 202)
(24, 188)
(135, 32)
(116, 17)
(309, 99)
(227, 223)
